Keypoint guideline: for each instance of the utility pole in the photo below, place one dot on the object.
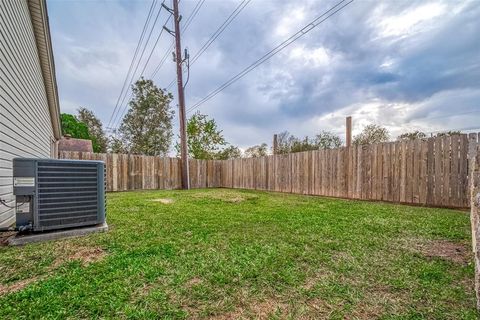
(181, 95)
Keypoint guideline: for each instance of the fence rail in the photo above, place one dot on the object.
(430, 172)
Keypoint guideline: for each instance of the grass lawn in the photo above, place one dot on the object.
(227, 254)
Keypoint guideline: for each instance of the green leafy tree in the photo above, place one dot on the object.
(95, 129)
(412, 135)
(206, 141)
(73, 127)
(372, 134)
(327, 140)
(147, 126)
(230, 152)
(256, 151)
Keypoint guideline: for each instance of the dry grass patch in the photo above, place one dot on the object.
(226, 196)
(447, 250)
(193, 282)
(163, 200)
(85, 255)
(65, 252)
(256, 310)
(17, 286)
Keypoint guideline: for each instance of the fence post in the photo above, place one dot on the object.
(348, 131)
(474, 163)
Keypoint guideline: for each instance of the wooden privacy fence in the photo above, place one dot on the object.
(136, 172)
(430, 172)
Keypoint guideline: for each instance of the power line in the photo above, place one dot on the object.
(145, 65)
(185, 27)
(162, 61)
(220, 29)
(164, 58)
(216, 34)
(133, 59)
(193, 15)
(154, 46)
(314, 23)
(138, 63)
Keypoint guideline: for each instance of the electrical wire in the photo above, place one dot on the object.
(154, 46)
(310, 26)
(193, 15)
(220, 30)
(184, 28)
(189, 20)
(133, 59)
(162, 61)
(216, 34)
(4, 203)
(136, 68)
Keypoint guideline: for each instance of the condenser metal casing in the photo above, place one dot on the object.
(58, 194)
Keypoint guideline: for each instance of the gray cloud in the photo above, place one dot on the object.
(403, 64)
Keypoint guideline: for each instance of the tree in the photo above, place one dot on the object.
(412, 135)
(299, 145)
(447, 134)
(230, 152)
(289, 143)
(257, 151)
(372, 134)
(95, 129)
(116, 145)
(147, 126)
(284, 142)
(327, 140)
(73, 127)
(204, 139)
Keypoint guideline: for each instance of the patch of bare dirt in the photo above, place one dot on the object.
(193, 282)
(85, 255)
(314, 280)
(4, 236)
(88, 255)
(237, 315)
(235, 200)
(227, 196)
(163, 200)
(255, 310)
(447, 250)
(268, 307)
(17, 286)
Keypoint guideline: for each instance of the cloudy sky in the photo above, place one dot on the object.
(406, 65)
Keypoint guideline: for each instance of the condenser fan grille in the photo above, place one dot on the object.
(67, 193)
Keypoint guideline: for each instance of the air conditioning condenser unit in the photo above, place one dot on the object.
(58, 194)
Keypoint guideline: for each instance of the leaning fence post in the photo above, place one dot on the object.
(474, 175)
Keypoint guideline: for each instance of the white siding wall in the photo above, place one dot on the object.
(25, 125)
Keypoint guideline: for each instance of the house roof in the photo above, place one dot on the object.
(41, 30)
(73, 144)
